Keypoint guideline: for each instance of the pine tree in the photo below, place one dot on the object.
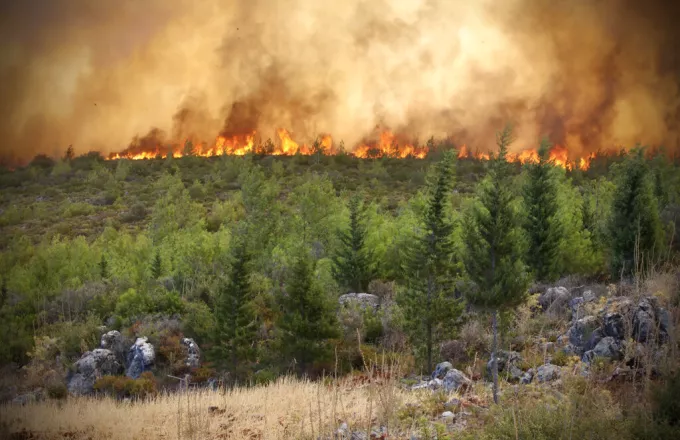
(430, 269)
(236, 321)
(103, 267)
(353, 265)
(634, 227)
(494, 253)
(70, 154)
(188, 148)
(543, 225)
(157, 266)
(307, 320)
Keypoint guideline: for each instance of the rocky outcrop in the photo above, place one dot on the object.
(192, 352)
(505, 360)
(584, 334)
(608, 347)
(555, 300)
(441, 369)
(363, 300)
(91, 366)
(455, 380)
(547, 373)
(140, 358)
(115, 342)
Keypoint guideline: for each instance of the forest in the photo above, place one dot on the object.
(252, 258)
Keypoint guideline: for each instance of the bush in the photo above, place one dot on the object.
(122, 386)
(585, 412)
(57, 391)
(77, 209)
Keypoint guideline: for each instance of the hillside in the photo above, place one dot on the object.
(360, 295)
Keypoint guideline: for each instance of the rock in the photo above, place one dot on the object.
(644, 320)
(115, 342)
(504, 359)
(613, 325)
(91, 366)
(455, 380)
(447, 415)
(547, 373)
(435, 384)
(619, 304)
(664, 318)
(527, 377)
(608, 347)
(555, 300)
(515, 374)
(141, 356)
(193, 353)
(441, 370)
(582, 334)
(589, 296)
(363, 300)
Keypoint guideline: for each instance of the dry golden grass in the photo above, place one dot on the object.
(287, 409)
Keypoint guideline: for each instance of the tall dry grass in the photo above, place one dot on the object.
(287, 409)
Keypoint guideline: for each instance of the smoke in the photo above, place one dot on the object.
(588, 74)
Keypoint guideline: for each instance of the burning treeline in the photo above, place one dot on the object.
(386, 144)
(588, 75)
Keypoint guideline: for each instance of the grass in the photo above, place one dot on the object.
(286, 409)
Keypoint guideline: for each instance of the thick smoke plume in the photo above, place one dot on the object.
(94, 74)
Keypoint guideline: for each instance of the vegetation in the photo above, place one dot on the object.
(248, 256)
(493, 237)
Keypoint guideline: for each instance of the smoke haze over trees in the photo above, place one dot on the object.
(94, 75)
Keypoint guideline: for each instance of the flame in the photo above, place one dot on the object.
(385, 146)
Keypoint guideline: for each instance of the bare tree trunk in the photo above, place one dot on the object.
(494, 359)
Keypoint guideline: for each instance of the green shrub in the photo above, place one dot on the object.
(585, 412)
(77, 209)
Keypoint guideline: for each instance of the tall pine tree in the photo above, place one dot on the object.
(353, 265)
(157, 266)
(307, 320)
(430, 270)
(634, 226)
(494, 253)
(543, 225)
(236, 321)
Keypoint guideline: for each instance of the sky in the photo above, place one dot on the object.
(588, 74)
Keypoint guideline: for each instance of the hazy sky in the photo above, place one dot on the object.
(587, 73)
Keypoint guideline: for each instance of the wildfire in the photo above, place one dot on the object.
(557, 155)
(386, 145)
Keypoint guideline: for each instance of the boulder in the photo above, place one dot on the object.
(644, 320)
(455, 380)
(115, 342)
(584, 334)
(441, 370)
(363, 300)
(193, 353)
(527, 377)
(141, 357)
(91, 366)
(555, 300)
(613, 325)
(664, 318)
(515, 374)
(547, 373)
(505, 359)
(607, 347)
